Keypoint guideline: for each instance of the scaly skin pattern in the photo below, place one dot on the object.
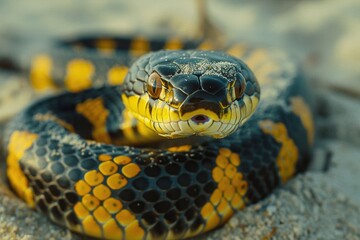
(61, 159)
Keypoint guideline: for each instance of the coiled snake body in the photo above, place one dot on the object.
(90, 158)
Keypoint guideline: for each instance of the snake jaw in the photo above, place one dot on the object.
(208, 125)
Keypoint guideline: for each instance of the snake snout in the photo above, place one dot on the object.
(200, 118)
(200, 107)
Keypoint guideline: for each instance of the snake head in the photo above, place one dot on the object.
(184, 93)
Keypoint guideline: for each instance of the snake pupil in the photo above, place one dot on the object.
(154, 85)
(239, 88)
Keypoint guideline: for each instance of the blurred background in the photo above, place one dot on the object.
(323, 36)
(325, 32)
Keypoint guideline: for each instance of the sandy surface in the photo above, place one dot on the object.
(322, 35)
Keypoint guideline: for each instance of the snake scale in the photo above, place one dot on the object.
(148, 145)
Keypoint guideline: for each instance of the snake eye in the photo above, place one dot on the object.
(239, 88)
(154, 85)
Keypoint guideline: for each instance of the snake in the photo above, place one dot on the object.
(157, 138)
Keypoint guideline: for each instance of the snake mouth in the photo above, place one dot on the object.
(200, 119)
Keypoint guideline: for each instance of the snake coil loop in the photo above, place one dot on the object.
(72, 156)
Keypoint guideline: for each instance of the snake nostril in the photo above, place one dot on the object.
(200, 119)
